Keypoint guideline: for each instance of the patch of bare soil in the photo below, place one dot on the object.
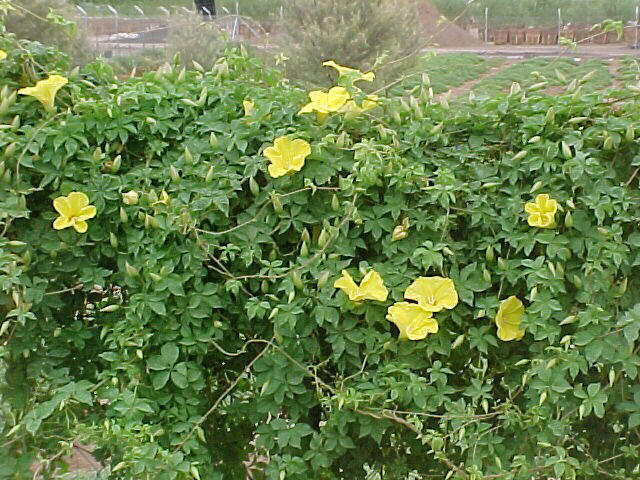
(466, 87)
(443, 32)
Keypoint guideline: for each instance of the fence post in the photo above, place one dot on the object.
(486, 25)
(559, 25)
(635, 44)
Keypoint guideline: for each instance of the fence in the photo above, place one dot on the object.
(116, 35)
(583, 33)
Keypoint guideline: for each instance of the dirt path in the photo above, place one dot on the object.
(466, 87)
(591, 51)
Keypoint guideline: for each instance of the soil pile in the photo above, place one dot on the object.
(444, 33)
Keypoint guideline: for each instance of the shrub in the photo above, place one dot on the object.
(194, 39)
(195, 328)
(355, 33)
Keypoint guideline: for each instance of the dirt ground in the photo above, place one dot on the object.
(610, 51)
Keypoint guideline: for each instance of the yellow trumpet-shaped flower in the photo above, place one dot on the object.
(3, 54)
(433, 293)
(351, 72)
(45, 90)
(326, 102)
(371, 288)
(508, 319)
(371, 101)
(287, 156)
(248, 106)
(542, 211)
(413, 321)
(74, 210)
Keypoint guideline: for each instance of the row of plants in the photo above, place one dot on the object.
(212, 273)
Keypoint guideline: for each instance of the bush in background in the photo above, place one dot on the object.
(354, 33)
(195, 39)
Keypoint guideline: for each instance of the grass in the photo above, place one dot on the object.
(523, 73)
(447, 71)
(629, 71)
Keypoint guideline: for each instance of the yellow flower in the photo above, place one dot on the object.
(346, 71)
(371, 288)
(74, 209)
(3, 54)
(433, 293)
(413, 321)
(248, 107)
(287, 156)
(508, 319)
(371, 101)
(45, 90)
(542, 212)
(130, 198)
(322, 102)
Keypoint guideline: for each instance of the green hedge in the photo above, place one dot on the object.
(195, 330)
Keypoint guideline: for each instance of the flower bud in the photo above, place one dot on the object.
(15, 123)
(115, 165)
(2, 168)
(612, 377)
(297, 281)
(566, 151)
(277, 205)
(501, 264)
(622, 288)
(131, 270)
(209, 176)
(630, 134)
(399, 233)
(155, 277)
(304, 250)
(533, 293)
(568, 220)
(130, 198)
(182, 75)
(550, 116)
(124, 218)
(10, 150)
(436, 129)
(113, 240)
(520, 155)
(254, 187)
(188, 158)
(174, 174)
(110, 308)
(515, 88)
(264, 286)
(543, 397)
(486, 275)
(322, 279)
(304, 236)
(457, 342)
(213, 140)
(569, 320)
(577, 281)
(335, 203)
(535, 139)
(489, 254)
(323, 238)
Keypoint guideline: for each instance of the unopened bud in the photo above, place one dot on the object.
(130, 198)
(501, 264)
(304, 250)
(568, 220)
(323, 238)
(566, 151)
(254, 187)
(486, 275)
(10, 150)
(115, 165)
(188, 158)
(608, 143)
(124, 218)
(322, 279)
(297, 281)
(277, 204)
(335, 203)
(213, 140)
(131, 270)
(457, 342)
(113, 240)
(630, 134)
(489, 254)
(174, 174)
(577, 281)
(304, 236)
(209, 176)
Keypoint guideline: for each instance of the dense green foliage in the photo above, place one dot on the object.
(186, 333)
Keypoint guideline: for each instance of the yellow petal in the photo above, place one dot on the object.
(248, 107)
(372, 287)
(368, 77)
(272, 153)
(508, 319)
(276, 170)
(61, 222)
(62, 206)
(413, 321)
(347, 285)
(337, 97)
(80, 226)
(86, 213)
(433, 293)
(77, 201)
(531, 208)
(45, 90)
(3, 54)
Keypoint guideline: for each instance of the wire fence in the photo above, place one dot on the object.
(113, 34)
